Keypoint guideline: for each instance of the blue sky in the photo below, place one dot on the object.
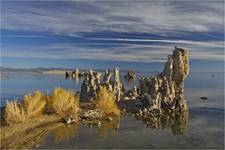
(100, 34)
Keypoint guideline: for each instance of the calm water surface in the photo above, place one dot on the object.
(203, 127)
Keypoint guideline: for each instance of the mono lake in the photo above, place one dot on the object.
(202, 127)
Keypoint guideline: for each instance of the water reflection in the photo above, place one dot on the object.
(177, 122)
(130, 82)
(76, 79)
(108, 127)
(64, 133)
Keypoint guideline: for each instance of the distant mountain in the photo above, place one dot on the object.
(42, 69)
(34, 70)
(31, 70)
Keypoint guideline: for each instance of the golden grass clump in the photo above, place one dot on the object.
(63, 102)
(34, 105)
(14, 112)
(106, 102)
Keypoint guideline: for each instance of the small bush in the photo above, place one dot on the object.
(34, 105)
(14, 112)
(63, 102)
(106, 102)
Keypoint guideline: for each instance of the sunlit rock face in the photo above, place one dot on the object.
(117, 86)
(166, 89)
(92, 83)
(106, 80)
(130, 75)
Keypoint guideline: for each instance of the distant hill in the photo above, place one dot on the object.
(53, 70)
(28, 70)
(36, 70)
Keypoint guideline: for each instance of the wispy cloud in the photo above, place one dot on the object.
(24, 36)
(175, 22)
(70, 18)
(217, 44)
(117, 52)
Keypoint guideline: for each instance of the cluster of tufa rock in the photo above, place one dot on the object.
(130, 75)
(92, 83)
(73, 74)
(166, 90)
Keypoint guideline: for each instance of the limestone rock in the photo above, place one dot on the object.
(166, 89)
(92, 82)
(90, 85)
(77, 72)
(72, 74)
(106, 81)
(69, 120)
(132, 92)
(130, 75)
(117, 86)
(96, 113)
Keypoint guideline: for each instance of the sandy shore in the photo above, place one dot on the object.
(30, 133)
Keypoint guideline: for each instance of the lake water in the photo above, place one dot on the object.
(203, 127)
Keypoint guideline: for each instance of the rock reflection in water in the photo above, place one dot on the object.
(76, 79)
(109, 126)
(177, 122)
(64, 133)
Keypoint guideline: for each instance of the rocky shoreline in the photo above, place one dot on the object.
(158, 100)
(163, 92)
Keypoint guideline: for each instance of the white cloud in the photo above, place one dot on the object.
(162, 17)
(119, 52)
(215, 44)
(165, 18)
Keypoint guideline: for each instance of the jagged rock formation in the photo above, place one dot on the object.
(106, 80)
(130, 75)
(165, 91)
(68, 74)
(73, 74)
(77, 72)
(132, 93)
(92, 83)
(117, 86)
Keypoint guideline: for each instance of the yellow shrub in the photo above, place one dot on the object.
(63, 102)
(14, 112)
(106, 102)
(34, 105)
